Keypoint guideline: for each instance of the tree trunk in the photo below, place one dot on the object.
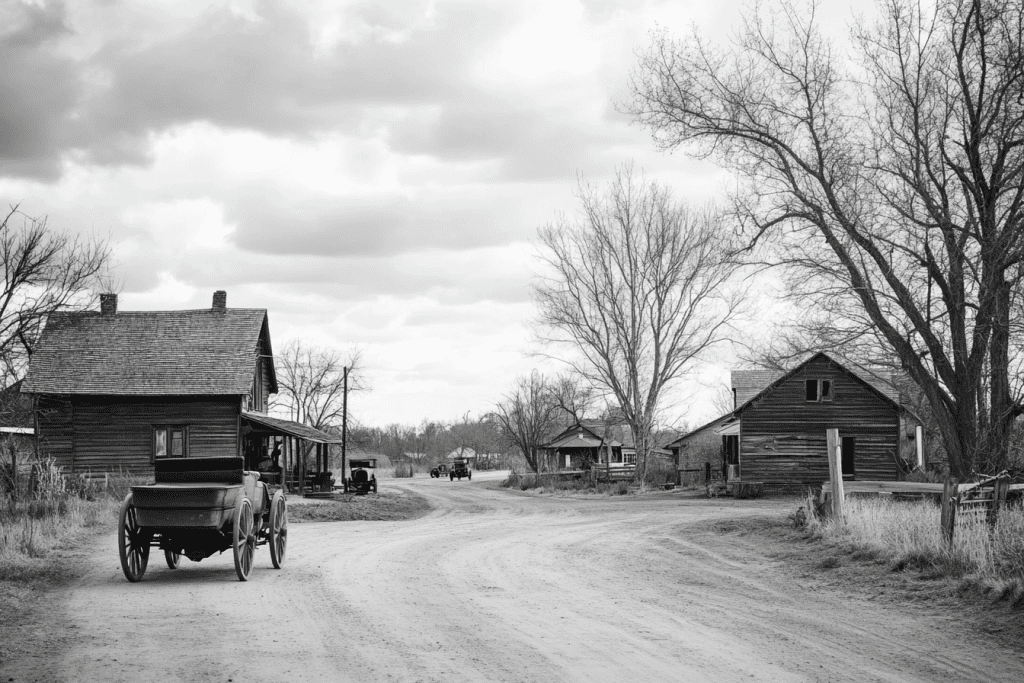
(994, 447)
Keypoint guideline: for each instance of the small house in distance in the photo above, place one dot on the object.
(777, 432)
(589, 442)
(117, 390)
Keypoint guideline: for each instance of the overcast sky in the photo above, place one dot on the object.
(373, 173)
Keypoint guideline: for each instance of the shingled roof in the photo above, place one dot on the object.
(749, 383)
(149, 353)
(752, 383)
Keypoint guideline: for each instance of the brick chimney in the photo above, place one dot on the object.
(108, 304)
(220, 300)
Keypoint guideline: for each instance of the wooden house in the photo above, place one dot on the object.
(117, 390)
(776, 433)
(590, 442)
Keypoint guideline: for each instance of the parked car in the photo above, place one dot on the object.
(439, 471)
(459, 469)
(362, 478)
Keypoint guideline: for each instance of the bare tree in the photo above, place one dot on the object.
(528, 415)
(892, 183)
(638, 290)
(43, 271)
(573, 395)
(311, 381)
(723, 401)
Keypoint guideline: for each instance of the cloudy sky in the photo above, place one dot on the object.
(373, 172)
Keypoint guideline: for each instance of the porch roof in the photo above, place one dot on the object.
(289, 428)
(576, 441)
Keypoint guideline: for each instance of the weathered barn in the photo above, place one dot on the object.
(776, 434)
(115, 391)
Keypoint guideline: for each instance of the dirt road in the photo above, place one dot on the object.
(503, 586)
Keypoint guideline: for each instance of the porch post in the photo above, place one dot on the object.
(302, 467)
(291, 460)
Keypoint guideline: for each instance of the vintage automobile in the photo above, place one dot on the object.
(198, 507)
(439, 471)
(361, 479)
(459, 469)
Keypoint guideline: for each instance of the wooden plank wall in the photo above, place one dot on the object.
(109, 434)
(782, 438)
(264, 398)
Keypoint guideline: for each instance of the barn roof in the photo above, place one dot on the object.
(149, 353)
(878, 380)
(749, 384)
(714, 424)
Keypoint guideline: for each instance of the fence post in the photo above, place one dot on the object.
(835, 471)
(1000, 489)
(950, 491)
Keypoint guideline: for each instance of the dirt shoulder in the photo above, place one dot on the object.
(831, 566)
(33, 626)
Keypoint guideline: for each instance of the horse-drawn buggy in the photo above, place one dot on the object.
(362, 478)
(198, 507)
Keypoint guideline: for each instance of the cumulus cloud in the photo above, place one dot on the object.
(370, 171)
(38, 88)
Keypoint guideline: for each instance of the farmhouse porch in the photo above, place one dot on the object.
(305, 454)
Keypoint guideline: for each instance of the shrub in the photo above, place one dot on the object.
(659, 471)
(403, 470)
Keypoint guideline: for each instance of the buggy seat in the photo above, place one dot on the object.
(222, 470)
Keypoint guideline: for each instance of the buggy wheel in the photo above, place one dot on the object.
(132, 542)
(244, 545)
(375, 485)
(469, 475)
(172, 558)
(451, 477)
(278, 529)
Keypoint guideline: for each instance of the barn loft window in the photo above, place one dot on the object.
(170, 442)
(816, 390)
(826, 390)
(811, 389)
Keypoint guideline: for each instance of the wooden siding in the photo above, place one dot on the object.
(264, 369)
(109, 434)
(782, 435)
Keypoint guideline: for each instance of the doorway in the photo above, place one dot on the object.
(849, 455)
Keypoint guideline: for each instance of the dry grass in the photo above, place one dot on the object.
(50, 513)
(553, 482)
(383, 506)
(906, 535)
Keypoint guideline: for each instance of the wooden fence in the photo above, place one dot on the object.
(983, 498)
(608, 472)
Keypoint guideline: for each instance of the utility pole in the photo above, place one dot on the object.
(344, 419)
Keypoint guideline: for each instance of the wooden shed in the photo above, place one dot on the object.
(777, 432)
(117, 390)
